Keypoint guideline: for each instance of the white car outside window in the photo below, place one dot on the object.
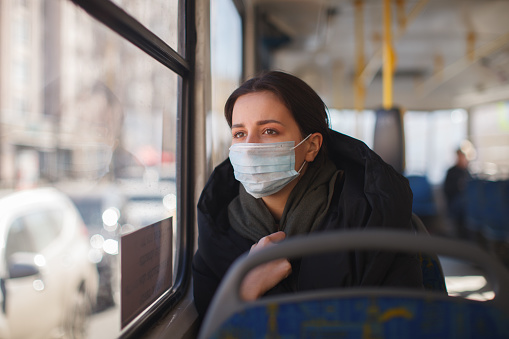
(48, 284)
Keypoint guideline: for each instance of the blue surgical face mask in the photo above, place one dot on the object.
(264, 168)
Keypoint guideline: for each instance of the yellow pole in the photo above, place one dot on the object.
(402, 18)
(359, 87)
(388, 56)
(471, 46)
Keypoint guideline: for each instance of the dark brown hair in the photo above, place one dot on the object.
(305, 105)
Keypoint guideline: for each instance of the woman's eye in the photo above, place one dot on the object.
(238, 135)
(270, 131)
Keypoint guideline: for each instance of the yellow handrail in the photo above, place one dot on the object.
(388, 56)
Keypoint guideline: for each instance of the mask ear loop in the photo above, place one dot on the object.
(301, 167)
(306, 138)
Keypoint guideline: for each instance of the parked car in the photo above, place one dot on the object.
(48, 285)
(96, 207)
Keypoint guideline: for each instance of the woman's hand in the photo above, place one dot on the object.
(263, 277)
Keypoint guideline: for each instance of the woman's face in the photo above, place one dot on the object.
(261, 117)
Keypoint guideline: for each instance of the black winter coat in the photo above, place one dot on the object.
(371, 194)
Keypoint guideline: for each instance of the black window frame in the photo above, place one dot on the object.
(181, 63)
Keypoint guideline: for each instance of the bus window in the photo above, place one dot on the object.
(88, 112)
(161, 17)
(490, 135)
(360, 125)
(431, 139)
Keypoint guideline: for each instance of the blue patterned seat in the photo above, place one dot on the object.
(368, 317)
(432, 273)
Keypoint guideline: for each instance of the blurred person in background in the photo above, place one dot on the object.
(455, 186)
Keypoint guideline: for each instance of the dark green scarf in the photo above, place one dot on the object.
(305, 209)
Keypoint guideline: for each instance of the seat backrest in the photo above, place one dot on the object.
(495, 214)
(423, 199)
(475, 203)
(368, 316)
(354, 313)
(432, 272)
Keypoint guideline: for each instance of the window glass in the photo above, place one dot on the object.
(431, 140)
(159, 16)
(490, 137)
(226, 73)
(95, 117)
(359, 125)
(44, 227)
(18, 239)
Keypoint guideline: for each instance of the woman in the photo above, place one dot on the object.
(289, 174)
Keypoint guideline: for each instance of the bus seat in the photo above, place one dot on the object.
(432, 273)
(475, 205)
(423, 200)
(367, 317)
(355, 312)
(496, 210)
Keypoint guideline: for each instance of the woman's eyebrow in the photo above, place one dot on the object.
(259, 123)
(264, 122)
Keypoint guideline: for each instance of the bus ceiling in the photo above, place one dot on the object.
(438, 54)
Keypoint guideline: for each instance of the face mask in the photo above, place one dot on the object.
(264, 169)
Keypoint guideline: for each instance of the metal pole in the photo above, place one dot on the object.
(388, 56)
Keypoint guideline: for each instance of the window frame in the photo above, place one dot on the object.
(181, 63)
